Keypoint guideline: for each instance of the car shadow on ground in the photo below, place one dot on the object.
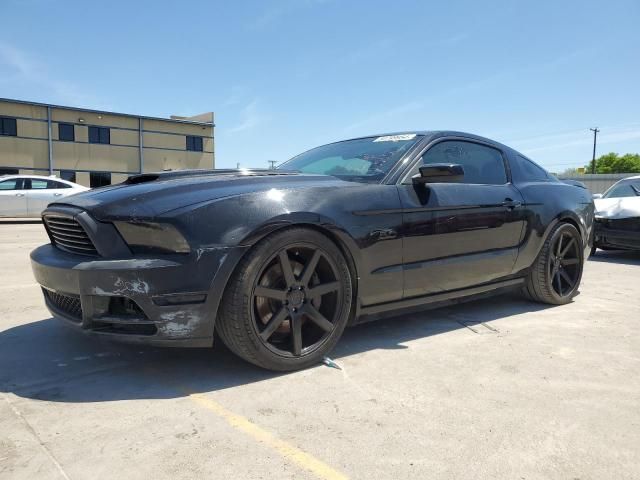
(49, 361)
(625, 257)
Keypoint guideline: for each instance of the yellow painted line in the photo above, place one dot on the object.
(288, 451)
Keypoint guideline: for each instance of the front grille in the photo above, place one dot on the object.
(68, 235)
(65, 303)
(625, 224)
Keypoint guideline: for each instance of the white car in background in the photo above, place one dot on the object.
(617, 224)
(29, 195)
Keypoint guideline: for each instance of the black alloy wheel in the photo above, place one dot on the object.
(555, 275)
(564, 264)
(288, 302)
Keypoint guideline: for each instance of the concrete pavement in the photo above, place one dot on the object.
(499, 388)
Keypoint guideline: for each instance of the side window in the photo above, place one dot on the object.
(482, 164)
(38, 184)
(621, 190)
(12, 184)
(51, 184)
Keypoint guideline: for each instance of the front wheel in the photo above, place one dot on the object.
(556, 273)
(288, 302)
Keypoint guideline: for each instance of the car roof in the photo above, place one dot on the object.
(625, 179)
(432, 134)
(39, 177)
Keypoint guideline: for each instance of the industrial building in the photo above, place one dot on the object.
(96, 148)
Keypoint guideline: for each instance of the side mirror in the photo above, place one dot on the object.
(439, 173)
(596, 195)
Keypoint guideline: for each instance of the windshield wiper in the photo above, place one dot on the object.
(636, 189)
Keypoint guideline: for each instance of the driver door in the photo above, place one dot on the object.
(457, 235)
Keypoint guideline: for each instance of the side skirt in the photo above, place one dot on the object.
(408, 305)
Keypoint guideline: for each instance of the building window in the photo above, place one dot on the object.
(99, 179)
(99, 135)
(194, 144)
(8, 126)
(68, 175)
(9, 171)
(66, 132)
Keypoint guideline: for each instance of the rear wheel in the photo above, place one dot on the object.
(555, 276)
(288, 302)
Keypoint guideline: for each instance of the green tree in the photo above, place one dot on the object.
(614, 163)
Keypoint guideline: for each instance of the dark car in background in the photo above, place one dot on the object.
(279, 262)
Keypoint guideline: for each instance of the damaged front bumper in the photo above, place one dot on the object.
(623, 233)
(160, 301)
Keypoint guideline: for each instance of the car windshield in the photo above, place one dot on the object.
(365, 160)
(626, 188)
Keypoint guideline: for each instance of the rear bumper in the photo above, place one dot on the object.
(616, 238)
(158, 301)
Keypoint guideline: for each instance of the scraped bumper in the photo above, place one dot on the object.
(618, 233)
(159, 301)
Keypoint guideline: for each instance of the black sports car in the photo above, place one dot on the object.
(278, 262)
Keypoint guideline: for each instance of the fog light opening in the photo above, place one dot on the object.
(122, 306)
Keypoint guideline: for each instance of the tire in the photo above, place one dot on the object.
(281, 317)
(557, 271)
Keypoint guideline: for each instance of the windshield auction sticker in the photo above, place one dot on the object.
(396, 138)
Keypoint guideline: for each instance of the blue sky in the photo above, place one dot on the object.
(286, 75)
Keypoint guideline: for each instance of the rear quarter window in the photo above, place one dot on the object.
(524, 170)
(55, 185)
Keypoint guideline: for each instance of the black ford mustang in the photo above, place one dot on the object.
(278, 262)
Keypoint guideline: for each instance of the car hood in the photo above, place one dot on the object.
(148, 196)
(625, 207)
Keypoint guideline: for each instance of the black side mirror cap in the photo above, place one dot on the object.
(439, 173)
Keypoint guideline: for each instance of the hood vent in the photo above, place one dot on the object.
(171, 174)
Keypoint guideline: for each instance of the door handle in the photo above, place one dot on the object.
(511, 204)
(19, 194)
(57, 194)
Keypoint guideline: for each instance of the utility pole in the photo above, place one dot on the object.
(272, 164)
(238, 165)
(593, 161)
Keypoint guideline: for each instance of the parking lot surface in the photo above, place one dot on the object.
(499, 388)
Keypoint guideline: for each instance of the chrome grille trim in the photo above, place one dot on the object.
(68, 235)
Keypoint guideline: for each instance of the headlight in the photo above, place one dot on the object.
(145, 237)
